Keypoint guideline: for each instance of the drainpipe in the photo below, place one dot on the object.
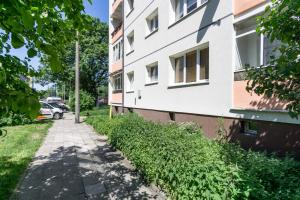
(123, 56)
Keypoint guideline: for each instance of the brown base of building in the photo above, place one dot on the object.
(272, 137)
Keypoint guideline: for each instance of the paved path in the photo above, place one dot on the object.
(75, 163)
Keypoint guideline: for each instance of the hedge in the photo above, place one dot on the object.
(179, 159)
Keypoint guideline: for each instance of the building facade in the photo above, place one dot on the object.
(184, 60)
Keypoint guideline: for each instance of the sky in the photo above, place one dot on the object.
(98, 9)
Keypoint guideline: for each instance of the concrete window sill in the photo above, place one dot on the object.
(180, 85)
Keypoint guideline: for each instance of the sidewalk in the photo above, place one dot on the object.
(76, 163)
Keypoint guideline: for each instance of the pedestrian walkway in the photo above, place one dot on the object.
(76, 163)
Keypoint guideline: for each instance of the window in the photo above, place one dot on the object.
(130, 5)
(249, 127)
(179, 4)
(152, 22)
(152, 73)
(191, 5)
(268, 51)
(130, 39)
(204, 64)
(117, 82)
(252, 49)
(130, 77)
(184, 7)
(118, 51)
(179, 69)
(192, 67)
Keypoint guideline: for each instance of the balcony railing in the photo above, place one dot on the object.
(241, 6)
(117, 9)
(117, 29)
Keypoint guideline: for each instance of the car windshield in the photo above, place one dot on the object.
(54, 105)
(46, 106)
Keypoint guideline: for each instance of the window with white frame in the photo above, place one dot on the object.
(130, 39)
(118, 51)
(184, 7)
(252, 49)
(130, 81)
(152, 73)
(117, 82)
(192, 67)
(152, 22)
(130, 5)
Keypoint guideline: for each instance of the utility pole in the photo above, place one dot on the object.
(77, 82)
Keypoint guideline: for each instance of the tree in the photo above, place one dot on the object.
(93, 61)
(281, 79)
(43, 28)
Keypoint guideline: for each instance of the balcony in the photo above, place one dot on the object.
(242, 99)
(117, 33)
(116, 98)
(241, 6)
(117, 66)
(117, 9)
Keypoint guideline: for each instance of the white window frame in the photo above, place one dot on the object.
(130, 83)
(118, 51)
(261, 46)
(114, 86)
(148, 73)
(198, 62)
(152, 17)
(185, 8)
(130, 43)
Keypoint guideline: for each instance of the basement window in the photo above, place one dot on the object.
(172, 116)
(249, 127)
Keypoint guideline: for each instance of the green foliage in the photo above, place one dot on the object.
(189, 166)
(93, 61)
(87, 101)
(16, 151)
(41, 27)
(281, 78)
(103, 110)
(11, 119)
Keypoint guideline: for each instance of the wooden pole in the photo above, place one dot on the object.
(77, 82)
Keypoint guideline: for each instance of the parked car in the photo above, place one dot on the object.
(61, 106)
(51, 112)
(54, 100)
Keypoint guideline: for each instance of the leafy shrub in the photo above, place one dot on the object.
(87, 101)
(189, 166)
(12, 119)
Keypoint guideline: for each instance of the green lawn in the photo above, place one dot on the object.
(16, 151)
(103, 110)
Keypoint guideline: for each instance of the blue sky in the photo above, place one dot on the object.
(98, 9)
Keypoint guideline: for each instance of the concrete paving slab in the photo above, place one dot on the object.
(76, 163)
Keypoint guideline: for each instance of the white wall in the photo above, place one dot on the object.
(214, 98)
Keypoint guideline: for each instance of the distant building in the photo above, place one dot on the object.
(184, 61)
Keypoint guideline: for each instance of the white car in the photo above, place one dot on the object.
(51, 112)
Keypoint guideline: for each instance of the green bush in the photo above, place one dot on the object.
(87, 101)
(12, 119)
(189, 166)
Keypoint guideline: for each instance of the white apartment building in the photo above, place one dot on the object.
(183, 60)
